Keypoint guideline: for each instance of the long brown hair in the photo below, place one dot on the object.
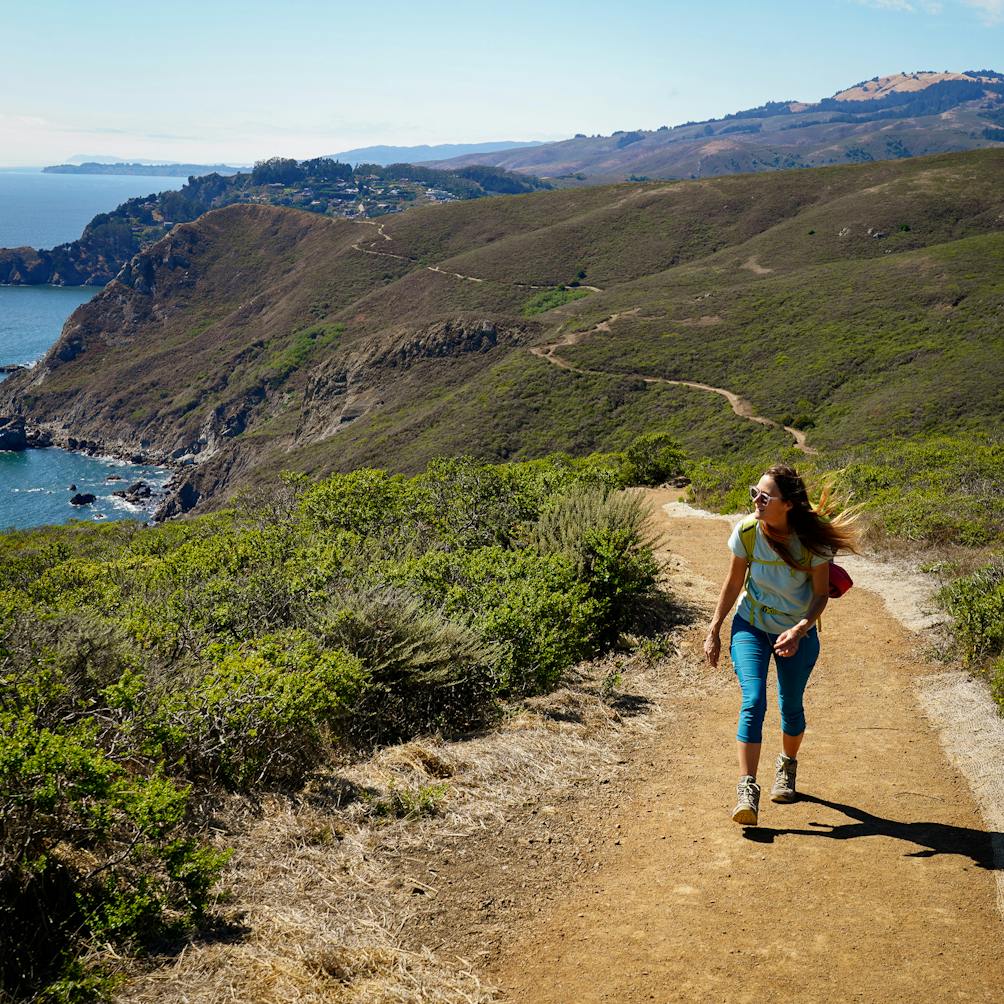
(823, 529)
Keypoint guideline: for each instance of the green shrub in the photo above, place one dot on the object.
(366, 501)
(607, 540)
(468, 504)
(422, 669)
(976, 605)
(653, 459)
(90, 852)
(532, 607)
(262, 714)
(548, 299)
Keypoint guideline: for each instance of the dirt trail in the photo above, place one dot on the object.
(739, 405)
(878, 885)
(435, 268)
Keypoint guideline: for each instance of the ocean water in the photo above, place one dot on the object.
(42, 210)
(31, 318)
(35, 487)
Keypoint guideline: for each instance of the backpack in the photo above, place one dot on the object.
(840, 581)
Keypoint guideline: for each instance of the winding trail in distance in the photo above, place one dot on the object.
(435, 268)
(739, 405)
(442, 271)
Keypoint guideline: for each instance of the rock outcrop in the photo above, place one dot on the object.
(12, 434)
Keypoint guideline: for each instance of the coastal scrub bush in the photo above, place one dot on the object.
(532, 608)
(261, 715)
(607, 540)
(653, 459)
(467, 504)
(976, 605)
(423, 670)
(92, 851)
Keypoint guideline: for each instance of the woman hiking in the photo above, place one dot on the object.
(780, 565)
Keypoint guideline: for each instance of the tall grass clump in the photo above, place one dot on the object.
(148, 675)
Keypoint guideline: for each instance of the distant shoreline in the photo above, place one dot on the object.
(152, 170)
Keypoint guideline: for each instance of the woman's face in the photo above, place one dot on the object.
(768, 504)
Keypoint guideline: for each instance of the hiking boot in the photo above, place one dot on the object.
(784, 779)
(748, 802)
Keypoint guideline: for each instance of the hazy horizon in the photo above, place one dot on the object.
(235, 82)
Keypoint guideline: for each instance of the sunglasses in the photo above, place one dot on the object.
(758, 496)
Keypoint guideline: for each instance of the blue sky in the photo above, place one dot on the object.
(218, 80)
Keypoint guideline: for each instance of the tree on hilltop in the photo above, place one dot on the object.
(326, 169)
(281, 170)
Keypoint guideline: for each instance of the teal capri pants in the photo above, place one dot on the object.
(751, 651)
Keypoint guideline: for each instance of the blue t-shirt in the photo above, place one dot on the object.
(776, 596)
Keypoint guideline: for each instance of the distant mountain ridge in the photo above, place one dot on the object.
(384, 155)
(901, 115)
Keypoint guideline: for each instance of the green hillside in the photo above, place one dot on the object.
(856, 303)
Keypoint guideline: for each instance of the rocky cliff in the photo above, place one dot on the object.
(228, 340)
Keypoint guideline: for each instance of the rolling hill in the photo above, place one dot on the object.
(903, 115)
(857, 302)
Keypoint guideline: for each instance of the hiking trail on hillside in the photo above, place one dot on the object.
(878, 884)
(435, 268)
(740, 406)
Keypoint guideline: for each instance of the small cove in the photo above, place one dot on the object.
(43, 210)
(35, 487)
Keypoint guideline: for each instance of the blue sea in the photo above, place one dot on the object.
(43, 210)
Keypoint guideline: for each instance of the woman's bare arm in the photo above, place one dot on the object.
(731, 588)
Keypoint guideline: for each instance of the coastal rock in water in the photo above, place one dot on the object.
(137, 493)
(86, 498)
(12, 435)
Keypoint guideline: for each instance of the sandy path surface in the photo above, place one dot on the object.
(878, 885)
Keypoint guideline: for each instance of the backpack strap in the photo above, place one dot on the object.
(747, 534)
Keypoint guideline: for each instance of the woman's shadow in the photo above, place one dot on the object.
(985, 847)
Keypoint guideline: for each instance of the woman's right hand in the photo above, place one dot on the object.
(712, 648)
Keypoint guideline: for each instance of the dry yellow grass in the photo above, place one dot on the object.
(898, 83)
(321, 886)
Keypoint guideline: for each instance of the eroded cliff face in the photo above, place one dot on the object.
(229, 341)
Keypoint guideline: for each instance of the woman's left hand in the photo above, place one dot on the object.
(787, 642)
